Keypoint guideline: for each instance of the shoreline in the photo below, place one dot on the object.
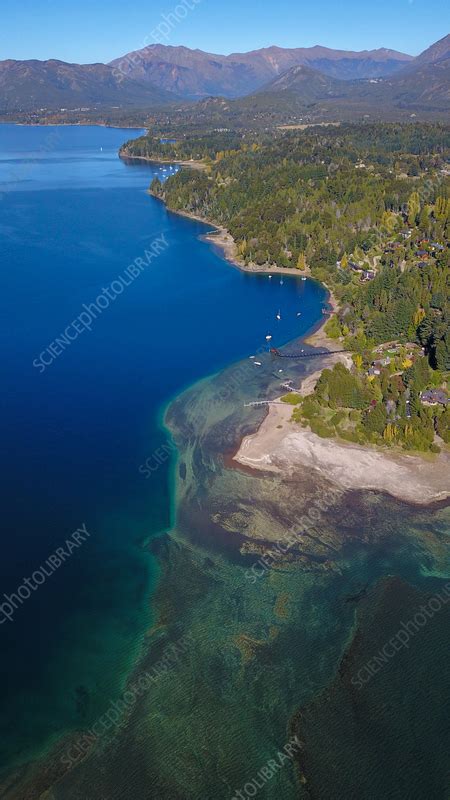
(221, 238)
(200, 165)
(283, 447)
(271, 448)
(318, 338)
(70, 125)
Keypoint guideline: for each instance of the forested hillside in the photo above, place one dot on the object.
(318, 193)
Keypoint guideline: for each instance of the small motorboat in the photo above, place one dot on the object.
(268, 338)
(299, 313)
(258, 363)
(303, 278)
(270, 276)
(281, 281)
(279, 314)
(251, 356)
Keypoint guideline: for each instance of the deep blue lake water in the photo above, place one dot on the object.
(72, 218)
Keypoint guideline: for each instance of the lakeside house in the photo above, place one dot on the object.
(382, 362)
(391, 347)
(434, 397)
(394, 348)
(365, 274)
(368, 275)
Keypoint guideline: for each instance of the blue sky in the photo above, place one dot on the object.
(100, 30)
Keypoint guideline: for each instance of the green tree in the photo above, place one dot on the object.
(413, 208)
(301, 263)
(374, 420)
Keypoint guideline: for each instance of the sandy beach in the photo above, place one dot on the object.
(318, 338)
(222, 238)
(290, 448)
(284, 447)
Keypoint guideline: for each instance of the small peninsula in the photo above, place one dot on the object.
(281, 446)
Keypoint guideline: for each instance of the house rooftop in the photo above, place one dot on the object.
(435, 396)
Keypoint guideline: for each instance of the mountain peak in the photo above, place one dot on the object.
(437, 51)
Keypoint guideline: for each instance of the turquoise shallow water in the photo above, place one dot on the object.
(280, 654)
(72, 218)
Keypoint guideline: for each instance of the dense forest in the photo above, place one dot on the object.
(364, 209)
(318, 193)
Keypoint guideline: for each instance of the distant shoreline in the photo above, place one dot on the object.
(183, 163)
(71, 125)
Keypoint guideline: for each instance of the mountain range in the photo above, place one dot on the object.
(422, 86)
(266, 81)
(196, 74)
(32, 85)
